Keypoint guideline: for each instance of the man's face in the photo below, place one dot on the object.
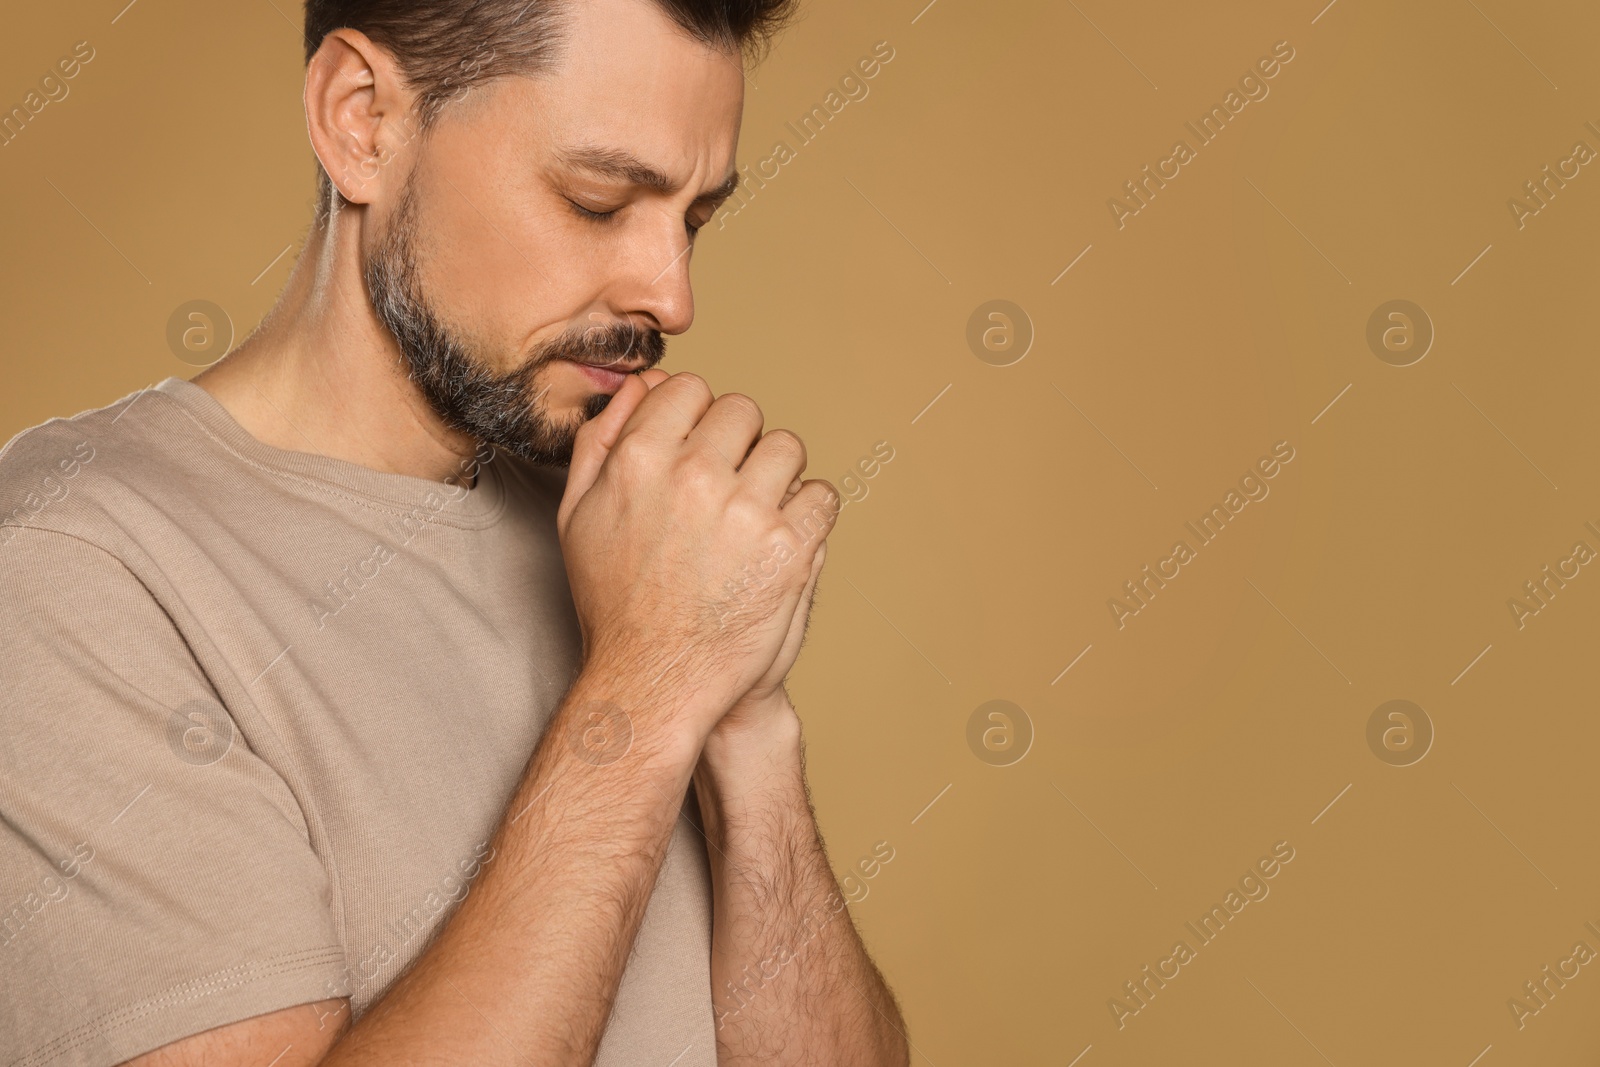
(539, 247)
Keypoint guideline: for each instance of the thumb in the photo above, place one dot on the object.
(816, 571)
(800, 620)
(597, 436)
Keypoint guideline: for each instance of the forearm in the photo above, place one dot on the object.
(791, 980)
(526, 970)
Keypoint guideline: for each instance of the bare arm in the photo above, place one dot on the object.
(791, 981)
(528, 967)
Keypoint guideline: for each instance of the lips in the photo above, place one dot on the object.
(604, 378)
(614, 367)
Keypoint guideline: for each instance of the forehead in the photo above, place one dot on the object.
(628, 77)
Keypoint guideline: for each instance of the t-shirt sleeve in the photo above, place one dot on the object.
(156, 876)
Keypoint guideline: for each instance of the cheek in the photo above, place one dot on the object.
(501, 274)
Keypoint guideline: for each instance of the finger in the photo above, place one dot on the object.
(774, 466)
(731, 425)
(814, 511)
(671, 410)
(598, 436)
(653, 377)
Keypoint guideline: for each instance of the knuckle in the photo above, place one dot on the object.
(742, 405)
(696, 476)
(786, 444)
(790, 539)
(778, 547)
(632, 455)
(692, 382)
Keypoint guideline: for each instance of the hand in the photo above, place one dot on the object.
(687, 554)
(768, 699)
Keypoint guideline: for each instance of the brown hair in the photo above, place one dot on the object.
(445, 46)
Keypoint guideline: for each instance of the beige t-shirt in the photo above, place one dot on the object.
(262, 712)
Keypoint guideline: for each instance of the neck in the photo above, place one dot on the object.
(323, 375)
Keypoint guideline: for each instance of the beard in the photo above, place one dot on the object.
(505, 409)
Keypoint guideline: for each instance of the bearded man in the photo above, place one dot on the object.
(409, 686)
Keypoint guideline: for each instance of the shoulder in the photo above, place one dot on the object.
(65, 474)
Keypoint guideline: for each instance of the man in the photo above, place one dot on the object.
(409, 687)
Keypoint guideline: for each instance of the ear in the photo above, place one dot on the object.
(359, 114)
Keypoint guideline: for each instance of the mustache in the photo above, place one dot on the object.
(605, 345)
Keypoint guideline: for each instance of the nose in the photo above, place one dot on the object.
(657, 280)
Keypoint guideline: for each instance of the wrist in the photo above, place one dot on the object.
(755, 733)
(609, 715)
(752, 761)
(750, 782)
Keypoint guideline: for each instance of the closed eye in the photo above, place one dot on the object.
(594, 216)
(693, 228)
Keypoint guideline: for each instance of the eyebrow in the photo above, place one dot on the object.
(625, 166)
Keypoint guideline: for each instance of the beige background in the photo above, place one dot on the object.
(1224, 317)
